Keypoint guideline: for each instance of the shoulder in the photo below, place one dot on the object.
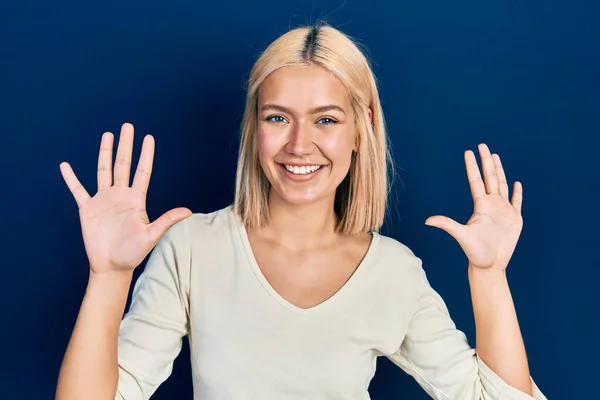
(199, 230)
(389, 246)
(201, 224)
(398, 259)
(197, 238)
(211, 222)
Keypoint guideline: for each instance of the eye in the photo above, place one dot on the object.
(326, 121)
(278, 119)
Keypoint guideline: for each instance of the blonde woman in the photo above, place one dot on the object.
(291, 293)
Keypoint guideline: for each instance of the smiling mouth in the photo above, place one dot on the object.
(302, 170)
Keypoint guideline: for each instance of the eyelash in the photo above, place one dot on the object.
(331, 121)
(271, 118)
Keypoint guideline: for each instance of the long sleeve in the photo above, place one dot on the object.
(150, 336)
(437, 355)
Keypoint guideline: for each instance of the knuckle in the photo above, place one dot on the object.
(122, 161)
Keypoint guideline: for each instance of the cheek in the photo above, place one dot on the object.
(339, 146)
(268, 142)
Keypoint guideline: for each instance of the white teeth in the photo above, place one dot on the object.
(303, 170)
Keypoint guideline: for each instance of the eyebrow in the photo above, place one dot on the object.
(315, 110)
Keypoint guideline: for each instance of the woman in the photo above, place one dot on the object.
(291, 292)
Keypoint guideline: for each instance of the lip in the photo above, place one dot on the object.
(298, 165)
(300, 178)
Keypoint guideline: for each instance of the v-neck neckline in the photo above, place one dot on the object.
(337, 296)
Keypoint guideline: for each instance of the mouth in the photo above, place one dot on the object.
(303, 172)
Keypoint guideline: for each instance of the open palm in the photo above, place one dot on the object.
(491, 234)
(117, 233)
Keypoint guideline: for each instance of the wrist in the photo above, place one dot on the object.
(489, 280)
(486, 273)
(110, 282)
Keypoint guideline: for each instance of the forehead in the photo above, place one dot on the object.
(301, 87)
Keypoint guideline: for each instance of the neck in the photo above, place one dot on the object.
(301, 226)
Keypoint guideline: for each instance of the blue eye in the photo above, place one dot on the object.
(326, 121)
(276, 118)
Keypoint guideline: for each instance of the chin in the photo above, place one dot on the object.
(299, 198)
(302, 190)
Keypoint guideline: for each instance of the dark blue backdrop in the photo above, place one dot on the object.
(520, 76)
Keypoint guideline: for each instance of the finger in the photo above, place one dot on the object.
(502, 183)
(489, 170)
(446, 224)
(158, 228)
(76, 188)
(141, 179)
(123, 158)
(517, 197)
(474, 176)
(105, 161)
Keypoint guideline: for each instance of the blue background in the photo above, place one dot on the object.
(520, 76)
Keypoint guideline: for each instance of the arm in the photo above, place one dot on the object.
(498, 337)
(488, 239)
(439, 357)
(90, 365)
(127, 360)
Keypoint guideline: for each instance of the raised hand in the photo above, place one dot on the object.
(117, 233)
(491, 234)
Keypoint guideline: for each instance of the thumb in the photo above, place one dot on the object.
(446, 224)
(158, 228)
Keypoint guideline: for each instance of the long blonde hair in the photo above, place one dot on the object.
(361, 198)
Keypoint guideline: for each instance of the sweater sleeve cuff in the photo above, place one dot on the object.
(500, 390)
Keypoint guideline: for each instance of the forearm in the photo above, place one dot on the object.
(499, 342)
(90, 366)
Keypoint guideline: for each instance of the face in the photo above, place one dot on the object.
(306, 133)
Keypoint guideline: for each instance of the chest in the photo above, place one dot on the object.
(262, 350)
(246, 341)
(308, 278)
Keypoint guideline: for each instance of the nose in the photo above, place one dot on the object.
(301, 140)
